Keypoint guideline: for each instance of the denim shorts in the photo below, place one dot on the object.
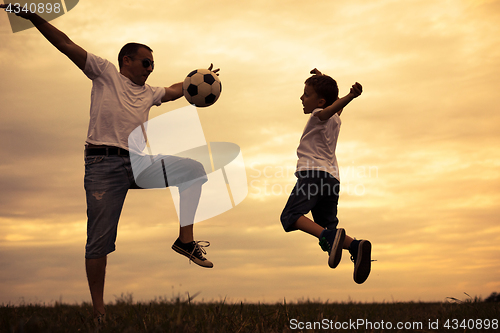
(107, 181)
(316, 192)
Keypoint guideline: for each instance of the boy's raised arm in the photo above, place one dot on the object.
(340, 103)
(56, 37)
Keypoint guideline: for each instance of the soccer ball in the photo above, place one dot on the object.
(202, 87)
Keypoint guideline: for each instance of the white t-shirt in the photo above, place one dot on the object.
(317, 145)
(117, 104)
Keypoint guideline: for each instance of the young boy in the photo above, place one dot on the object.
(317, 188)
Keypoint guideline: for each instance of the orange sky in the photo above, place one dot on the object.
(418, 151)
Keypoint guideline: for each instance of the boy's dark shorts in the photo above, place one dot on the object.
(316, 192)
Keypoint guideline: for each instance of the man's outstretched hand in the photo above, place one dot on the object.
(215, 70)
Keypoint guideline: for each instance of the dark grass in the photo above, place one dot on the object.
(186, 316)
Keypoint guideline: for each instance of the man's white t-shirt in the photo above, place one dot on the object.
(317, 145)
(118, 105)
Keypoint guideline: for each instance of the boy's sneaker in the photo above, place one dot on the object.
(194, 251)
(361, 256)
(331, 241)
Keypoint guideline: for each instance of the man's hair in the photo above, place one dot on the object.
(130, 50)
(325, 87)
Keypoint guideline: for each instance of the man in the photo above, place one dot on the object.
(120, 102)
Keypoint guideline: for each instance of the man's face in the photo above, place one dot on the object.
(311, 100)
(134, 68)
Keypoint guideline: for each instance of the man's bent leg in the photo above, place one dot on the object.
(185, 244)
(96, 271)
(186, 233)
(189, 200)
(189, 176)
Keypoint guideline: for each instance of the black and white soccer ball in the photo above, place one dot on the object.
(202, 87)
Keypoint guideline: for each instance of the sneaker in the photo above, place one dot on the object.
(194, 251)
(331, 241)
(361, 256)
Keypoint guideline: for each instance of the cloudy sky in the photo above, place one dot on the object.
(419, 150)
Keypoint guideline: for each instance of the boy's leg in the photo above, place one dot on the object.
(360, 251)
(305, 197)
(308, 226)
(324, 214)
(361, 256)
(330, 240)
(299, 204)
(347, 242)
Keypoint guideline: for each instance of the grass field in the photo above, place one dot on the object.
(186, 316)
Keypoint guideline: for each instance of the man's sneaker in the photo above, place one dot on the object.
(331, 241)
(99, 320)
(361, 256)
(194, 251)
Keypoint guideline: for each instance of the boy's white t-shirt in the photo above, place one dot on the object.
(118, 105)
(317, 145)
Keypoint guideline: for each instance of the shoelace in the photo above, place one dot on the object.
(199, 249)
(325, 246)
(354, 260)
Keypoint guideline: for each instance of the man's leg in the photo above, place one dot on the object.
(189, 200)
(106, 185)
(96, 270)
(189, 176)
(185, 244)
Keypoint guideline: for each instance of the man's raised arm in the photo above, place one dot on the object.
(55, 37)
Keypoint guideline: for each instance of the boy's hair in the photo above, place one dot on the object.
(130, 50)
(325, 87)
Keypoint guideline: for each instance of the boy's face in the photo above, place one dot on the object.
(311, 100)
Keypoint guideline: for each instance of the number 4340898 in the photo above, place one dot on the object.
(39, 8)
(472, 324)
